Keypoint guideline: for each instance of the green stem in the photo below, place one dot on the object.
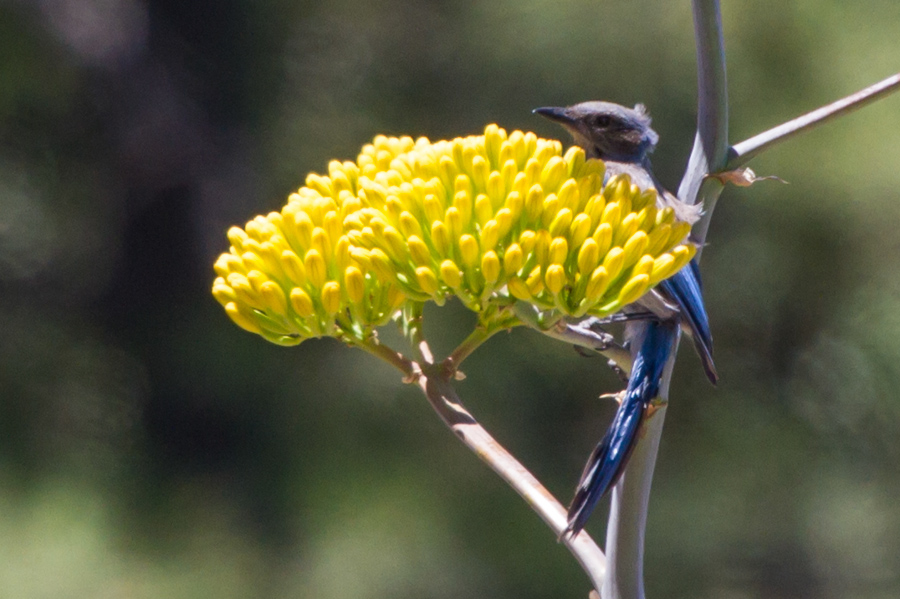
(372, 346)
(502, 319)
(411, 324)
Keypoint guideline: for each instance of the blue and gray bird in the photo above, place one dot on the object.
(623, 139)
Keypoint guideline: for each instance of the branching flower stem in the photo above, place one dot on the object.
(435, 382)
(409, 368)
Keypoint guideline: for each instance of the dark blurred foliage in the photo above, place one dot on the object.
(149, 448)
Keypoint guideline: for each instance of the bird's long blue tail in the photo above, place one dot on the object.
(608, 460)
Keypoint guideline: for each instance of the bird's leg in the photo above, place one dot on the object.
(593, 323)
(587, 336)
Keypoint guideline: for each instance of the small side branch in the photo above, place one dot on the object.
(742, 153)
(446, 403)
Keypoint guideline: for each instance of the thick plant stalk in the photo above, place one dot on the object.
(711, 154)
(631, 496)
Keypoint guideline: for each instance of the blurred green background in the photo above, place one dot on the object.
(150, 448)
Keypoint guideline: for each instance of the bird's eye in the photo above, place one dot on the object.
(602, 121)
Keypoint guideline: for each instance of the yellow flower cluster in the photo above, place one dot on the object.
(489, 218)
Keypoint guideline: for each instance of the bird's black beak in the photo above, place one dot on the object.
(556, 114)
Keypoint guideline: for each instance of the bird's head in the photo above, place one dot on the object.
(606, 130)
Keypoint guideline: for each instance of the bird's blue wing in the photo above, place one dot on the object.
(607, 462)
(686, 290)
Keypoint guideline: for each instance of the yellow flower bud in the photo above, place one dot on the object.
(490, 235)
(513, 259)
(490, 267)
(409, 226)
(588, 257)
(227, 264)
(504, 218)
(462, 183)
(613, 262)
(644, 266)
(595, 207)
(534, 203)
(553, 173)
(454, 221)
(534, 281)
(662, 268)
(527, 240)
(237, 237)
(574, 161)
(331, 297)
(451, 274)
(634, 289)
(683, 255)
(508, 172)
(241, 318)
(433, 208)
(603, 238)
(273, 297)
(666, 216)
(484, 211)
(223, 292)
(315, 268)
(301, 302)
(634, 248)
(559, 250)
(496, 188)
(440, 237)
(647, 218)
(427, 280)
(612, 214)
(627, 228)
(468, 249)
(597, 284)
(355, 284)
(679, 233)
(419, 251)
(550, 209)
(381, 263)
(515, 204)
(480, 172)
(519, 290)
(569, 195)
(560, 224)
(555, 278)
(658, 239)
(580, 229)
